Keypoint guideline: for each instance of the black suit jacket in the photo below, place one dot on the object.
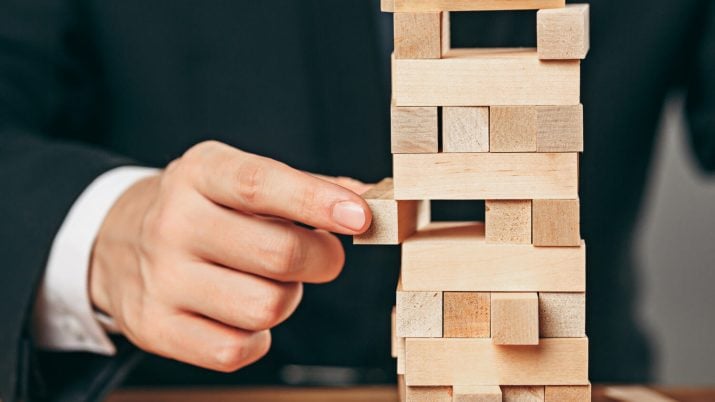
(89, 85)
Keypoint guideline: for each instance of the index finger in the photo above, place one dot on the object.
(259, 185)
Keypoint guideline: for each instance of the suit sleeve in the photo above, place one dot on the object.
(700, 106)
(40, 175)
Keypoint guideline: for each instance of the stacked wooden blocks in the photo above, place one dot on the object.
(496, 310)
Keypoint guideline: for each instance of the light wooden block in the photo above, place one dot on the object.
(476, 393)
(392, 221)
(467, 315)
(512, 128)
(454, 256)
(465, 129)
(401, 388)
(393, 332)
(556, 222)
(479, 77)
(418, 35)
(414, 130)
(568, 393)
(419, 314)
(559, 128)
(563, 33)
(446, 32)
(400, 355)
(485, 176)
(635, 393)
(460, 361)
(515, 318)
(562, 315)
(466, 5)
(508, 221)
(523, 394)
(428, 394)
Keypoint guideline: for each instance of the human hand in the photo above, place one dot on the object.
(200, 261)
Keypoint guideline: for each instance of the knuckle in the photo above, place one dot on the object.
(231, 357)
(270, 309)
(250, 180)
(288, 254)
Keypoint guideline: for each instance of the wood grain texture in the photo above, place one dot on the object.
(428, 394)
(562, 315)
(485, 176)
(515, 318)
(563, 33)
(446, 32)
(556, 223)
(465, 129)
(393, 332)
(476, 393)
(481, 77)
(512, 128)
(414, 130)
(458, 361)
(467, 5)
(568, 393)
(418, 35)
(559, 128)
(508, 221)
(454, 256)
(392, 221)
(467, 315)
(635, 393)
(419, 314)
(523, 394)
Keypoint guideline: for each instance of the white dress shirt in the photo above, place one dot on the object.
(63, 318)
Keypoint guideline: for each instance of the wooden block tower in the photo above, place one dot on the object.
(491, 311)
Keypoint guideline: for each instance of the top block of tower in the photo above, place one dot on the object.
(401, 6)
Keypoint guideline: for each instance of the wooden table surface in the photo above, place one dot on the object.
(359, 394)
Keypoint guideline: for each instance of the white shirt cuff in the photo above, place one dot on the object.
(63, 318)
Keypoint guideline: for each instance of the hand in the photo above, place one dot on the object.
(199, 262)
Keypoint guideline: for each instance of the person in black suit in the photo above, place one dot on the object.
(186, 263)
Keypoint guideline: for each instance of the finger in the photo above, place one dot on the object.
(354, 185)
(235, 298)
(259, 185)
(269, 247)
(205, 343)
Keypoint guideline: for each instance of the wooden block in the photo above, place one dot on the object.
(446, 32)
(465, 129)
(485, 176)
(559, 128)
(556, 223)
(400, 355)
(467, 5)
(512, 128)
(466, 315)
(476, 361)
(393, 332)
(401, 388)
(568, 393)
(563, 33)
(419, 314)
(634, 393)
(508, 221)
(479, 77)
(414, 130)
(562, 315)
(523, 394)
(392, 221)
(418, 35)
(428, 394)
(454, 256)
(515, 318)
(476, 393)
(539, 128)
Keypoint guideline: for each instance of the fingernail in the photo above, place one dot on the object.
(349, 214)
